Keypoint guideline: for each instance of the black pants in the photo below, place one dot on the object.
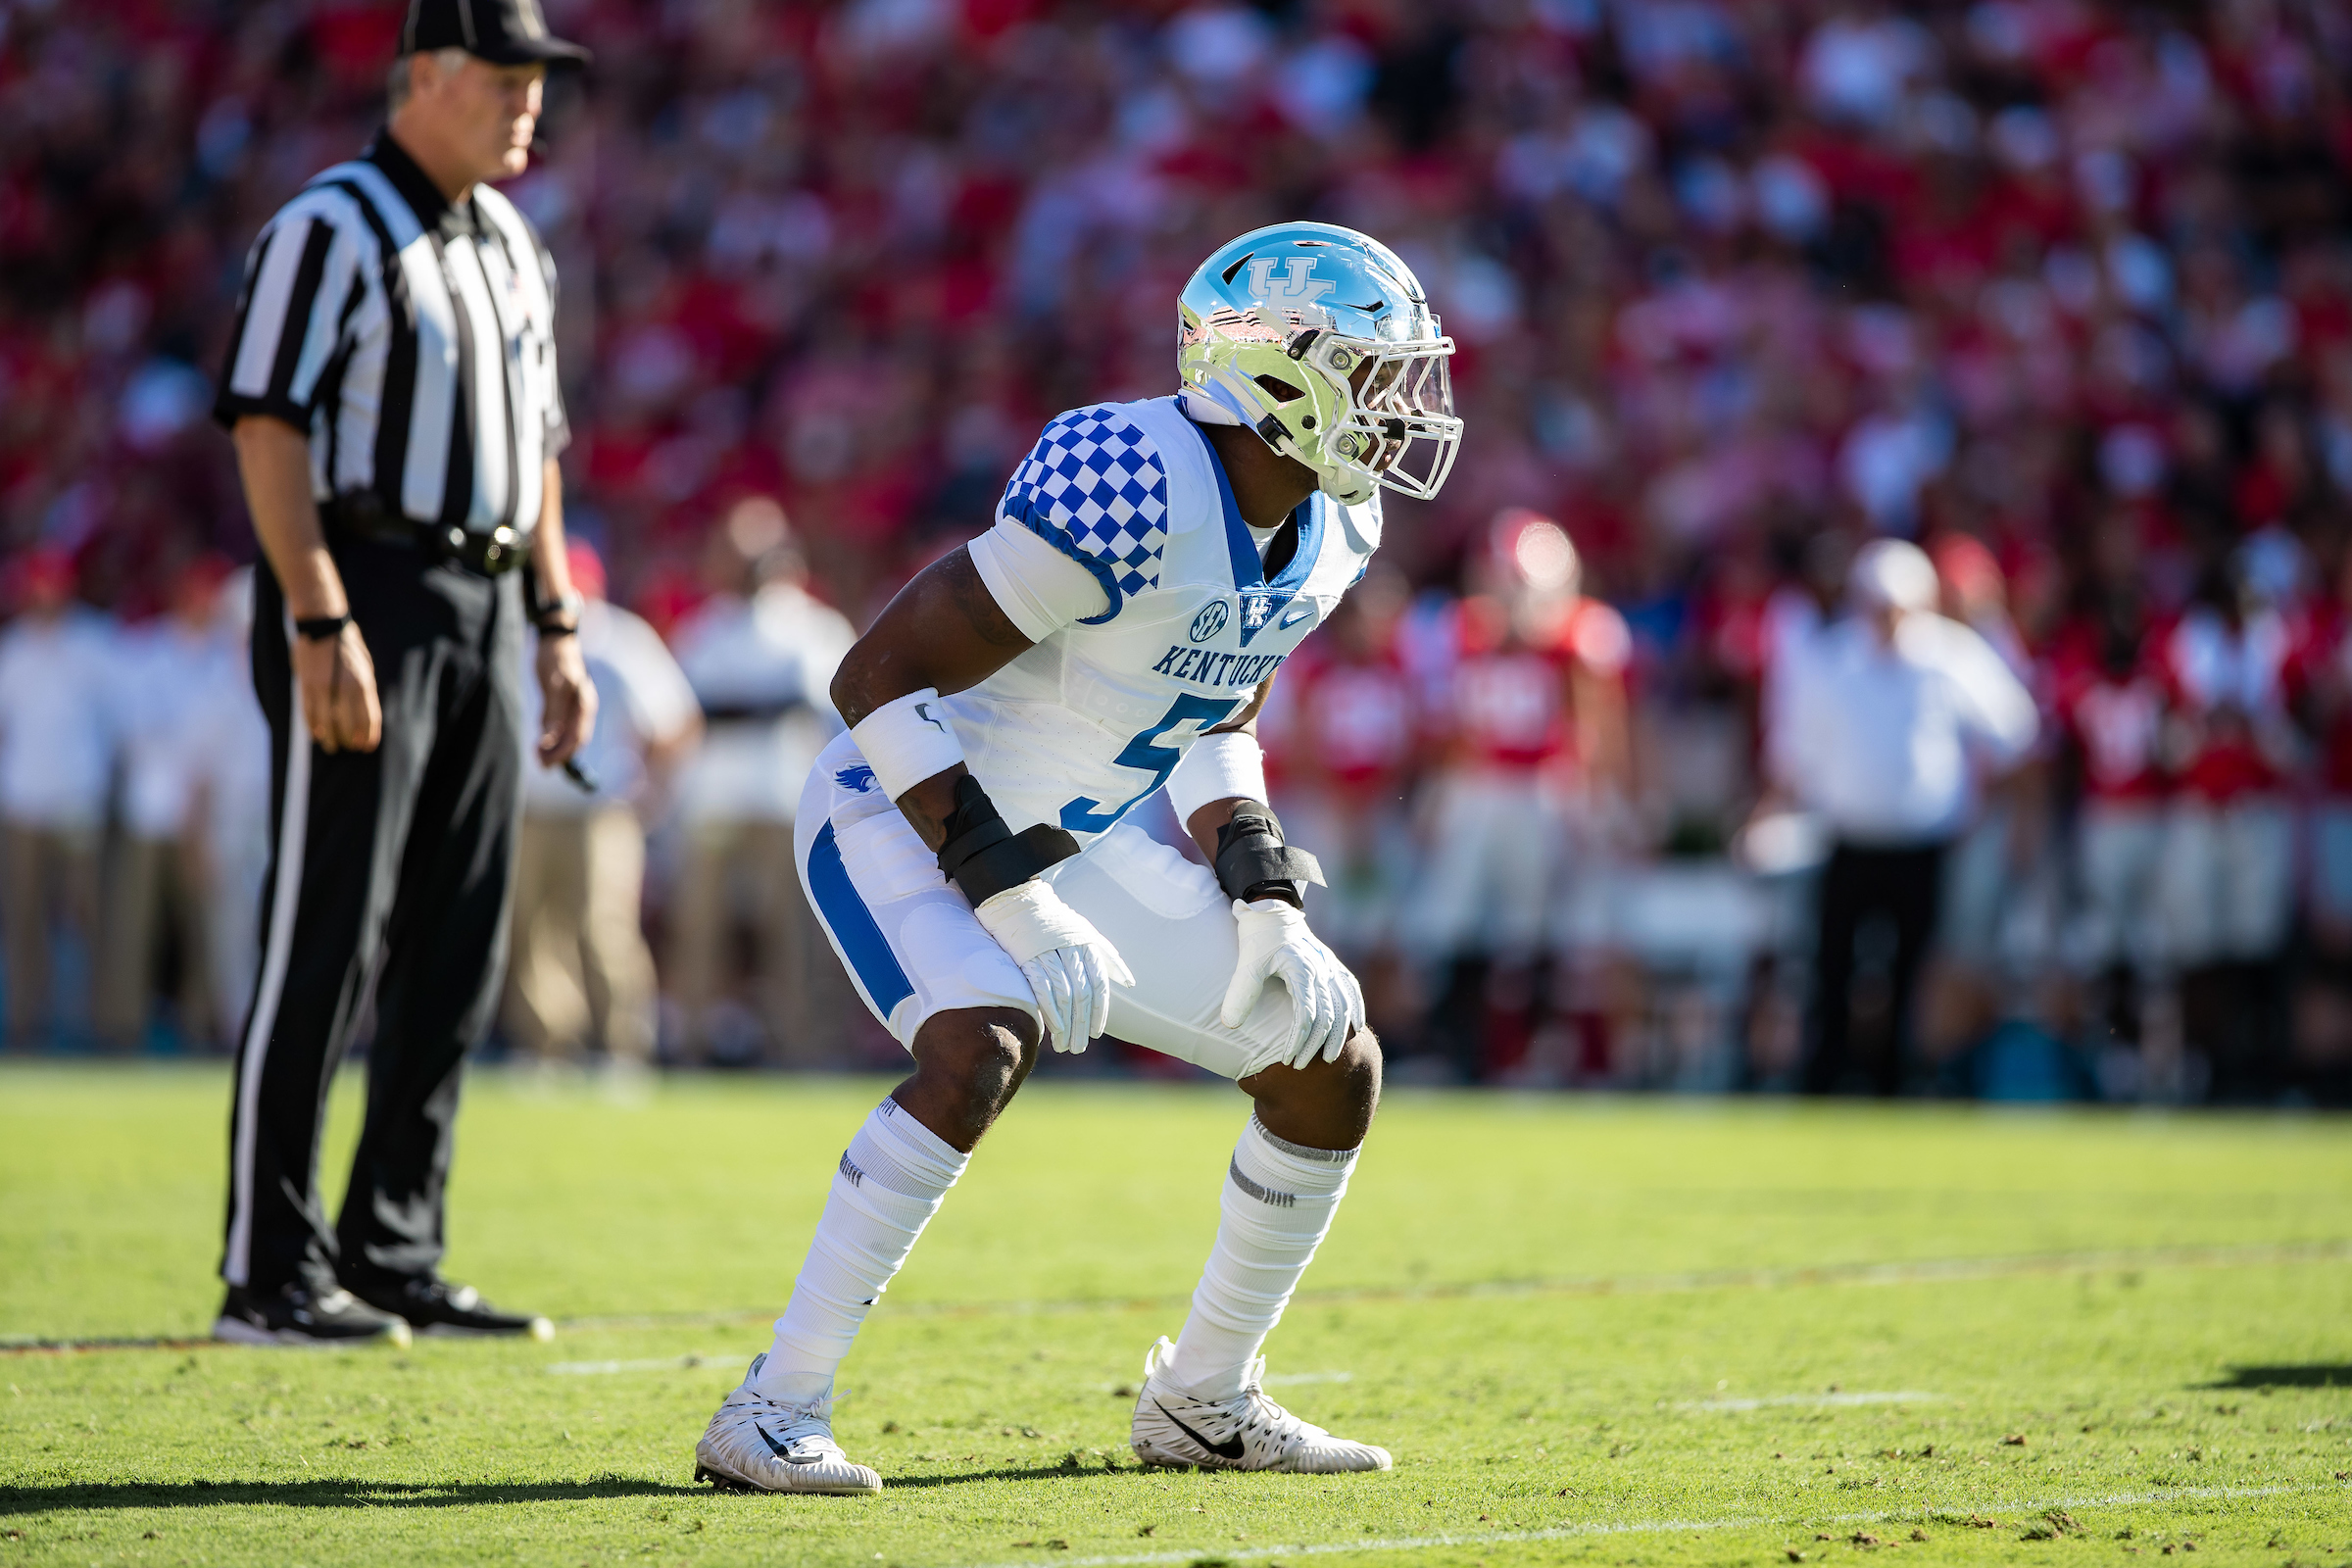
(390, 869)
(1903, 888)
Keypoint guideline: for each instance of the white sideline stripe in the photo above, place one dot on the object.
(293, 830)
(1640, 1527)
(1858, 1396)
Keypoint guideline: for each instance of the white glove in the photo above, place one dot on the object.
(1069, 966)
(1327, 1006)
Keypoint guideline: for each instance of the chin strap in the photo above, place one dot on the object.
(1253, 863)
(983, 857)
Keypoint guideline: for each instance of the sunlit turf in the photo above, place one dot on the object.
(1605, 1331)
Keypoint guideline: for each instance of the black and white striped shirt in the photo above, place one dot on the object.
(411, 339)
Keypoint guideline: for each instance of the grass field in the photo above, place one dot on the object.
(1591, 1331)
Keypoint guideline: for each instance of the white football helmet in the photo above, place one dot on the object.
(1320, 339)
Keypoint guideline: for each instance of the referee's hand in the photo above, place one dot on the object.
(570, 707)
(338, 691)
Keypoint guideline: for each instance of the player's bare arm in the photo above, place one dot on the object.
(945, 631)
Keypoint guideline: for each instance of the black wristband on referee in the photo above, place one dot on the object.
(322, 628)
(1253, 863)
(983, 857)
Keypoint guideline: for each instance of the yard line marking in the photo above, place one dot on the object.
(1647, 1527)
(665, 1363)
(1919, 1272)
(1279, 1379)
(1901, 1396)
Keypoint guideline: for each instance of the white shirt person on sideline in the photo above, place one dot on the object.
(1887, 732)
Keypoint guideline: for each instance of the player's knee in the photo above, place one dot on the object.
(1358, 1071)
(1327, 1104)
(969, 1062)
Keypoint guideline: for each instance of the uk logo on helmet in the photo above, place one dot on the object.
(1210, 620)
(1300, 288)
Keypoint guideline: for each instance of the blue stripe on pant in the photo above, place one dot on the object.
(853, 925)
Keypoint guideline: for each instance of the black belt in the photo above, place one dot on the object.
(501, 550)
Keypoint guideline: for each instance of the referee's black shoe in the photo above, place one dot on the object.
(300, 1314)
(436, 1307)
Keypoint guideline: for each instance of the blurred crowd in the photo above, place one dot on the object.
(2060, 289)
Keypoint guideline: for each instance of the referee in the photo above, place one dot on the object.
(391, 390)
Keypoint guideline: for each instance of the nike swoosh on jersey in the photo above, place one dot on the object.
(1292, 617)
(1230, 1449)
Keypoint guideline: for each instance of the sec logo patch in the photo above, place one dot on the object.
(1210, 620)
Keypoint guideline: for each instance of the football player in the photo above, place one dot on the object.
(1151, 568)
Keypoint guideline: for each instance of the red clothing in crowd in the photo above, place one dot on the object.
(1511, 702)
(2115, 721)
(2319, 681)
(2227, 685)
(1350, 721)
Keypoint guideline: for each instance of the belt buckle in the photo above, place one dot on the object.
(500, 552)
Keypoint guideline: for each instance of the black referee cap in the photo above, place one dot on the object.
(505, 32)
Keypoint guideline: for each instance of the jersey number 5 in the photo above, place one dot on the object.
(1144, 752)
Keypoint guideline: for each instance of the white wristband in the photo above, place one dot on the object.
(1215, 768)
(907, 741)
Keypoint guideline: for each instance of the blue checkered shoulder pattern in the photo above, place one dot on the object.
(1094, 487)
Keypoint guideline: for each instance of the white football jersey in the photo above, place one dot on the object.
(1083, 726)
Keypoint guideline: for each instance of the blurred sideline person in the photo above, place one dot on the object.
(1889, 725)
(392, 391)
(155, 882)
(230, 816)
(2110, 705)
(57, 736)
(761, 653)
(581, 972)
(1987, 875)
(1536, 753)
(2322, 689)
(2228, 883)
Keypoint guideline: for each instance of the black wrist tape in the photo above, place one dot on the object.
(983, 857)
(322, 628)
(1253, 863)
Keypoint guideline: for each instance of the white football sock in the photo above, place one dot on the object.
(889, 1185)
(1279, 1199)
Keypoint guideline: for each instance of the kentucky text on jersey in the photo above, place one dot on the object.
(1205, 667)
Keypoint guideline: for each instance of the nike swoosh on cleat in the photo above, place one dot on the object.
(1230, 1449)
(778, 1450)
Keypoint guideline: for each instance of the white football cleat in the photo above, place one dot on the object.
(1247, 1431)
(757, 1444)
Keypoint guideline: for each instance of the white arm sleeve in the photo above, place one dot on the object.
(1216, 767)
(1040, 589)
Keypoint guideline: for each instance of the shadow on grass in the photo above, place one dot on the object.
(2285, 1377)
(347, 1494)
(20, 1502)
